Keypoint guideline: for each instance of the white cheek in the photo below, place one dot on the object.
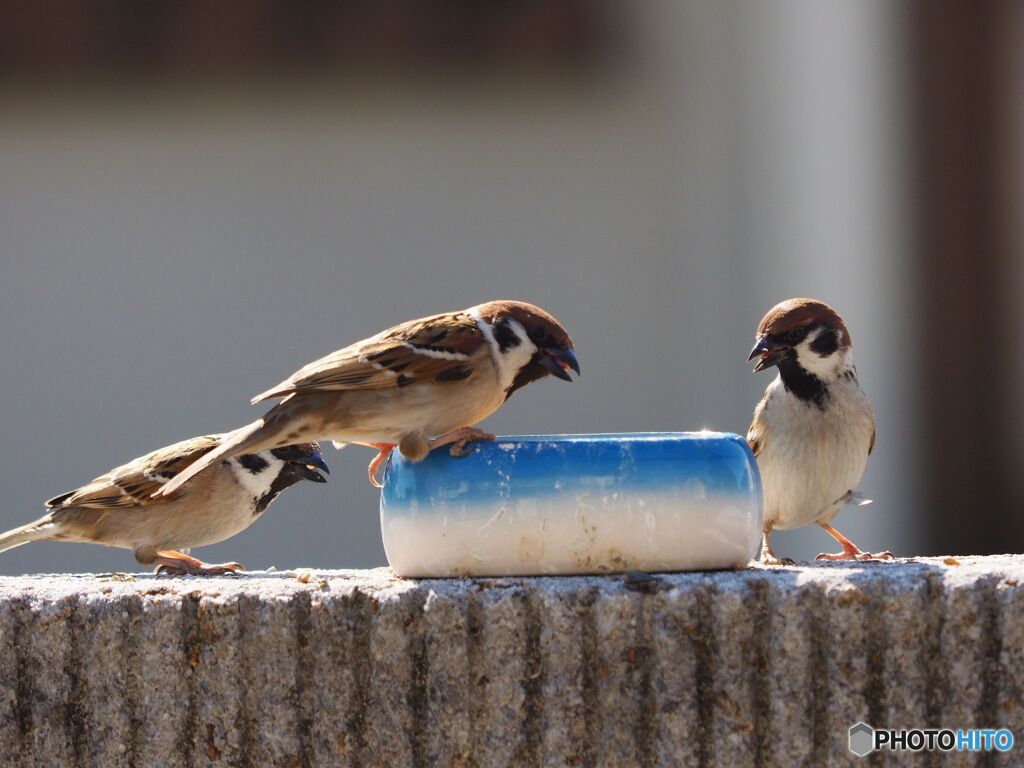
(516, 357)
(825, 368)
(257, 484)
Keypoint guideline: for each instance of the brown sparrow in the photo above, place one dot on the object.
(814, 427)
(118, 509)
(417, 386)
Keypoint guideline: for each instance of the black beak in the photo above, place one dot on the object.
(770, 352)
(308, 466)
(559, 362)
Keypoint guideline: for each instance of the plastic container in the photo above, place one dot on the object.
(574, 504)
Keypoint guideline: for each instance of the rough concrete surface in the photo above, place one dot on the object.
(746, 668)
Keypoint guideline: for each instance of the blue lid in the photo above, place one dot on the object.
(536, 465)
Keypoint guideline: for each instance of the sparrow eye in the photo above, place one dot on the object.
(795, 334)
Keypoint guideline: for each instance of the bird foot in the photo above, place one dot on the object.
(772, 559)
(221, 569)
(768, 556)
(371, 471)
(179, 564)
(850, 550)
(857, 555)
(459, 439)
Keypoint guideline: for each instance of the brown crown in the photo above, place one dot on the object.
(793, 313)
(531, 317)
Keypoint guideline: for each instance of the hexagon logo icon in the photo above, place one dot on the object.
(862, 739)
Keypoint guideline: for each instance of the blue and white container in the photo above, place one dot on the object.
(574, 504)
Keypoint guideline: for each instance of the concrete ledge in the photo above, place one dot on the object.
(747, 668)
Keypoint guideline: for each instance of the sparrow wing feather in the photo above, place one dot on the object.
(133, 484)
(756, 432)
(439, 348)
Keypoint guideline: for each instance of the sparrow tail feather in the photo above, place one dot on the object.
(35, 531)
(855, 499)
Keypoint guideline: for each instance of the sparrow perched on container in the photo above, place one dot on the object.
(814, 427)
(118, 509)
(417, 386)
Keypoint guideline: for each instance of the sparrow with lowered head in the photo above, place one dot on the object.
(118, 509)
(814, 427)
(417, 386)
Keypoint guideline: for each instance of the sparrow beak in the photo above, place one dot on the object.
(559, 362)
(770, 352)
(307, 469)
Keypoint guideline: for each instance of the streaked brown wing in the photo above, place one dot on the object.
(438, 348)
(754, 441)
(755, 434)
(133, 484)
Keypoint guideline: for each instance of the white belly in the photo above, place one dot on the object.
(811, 457)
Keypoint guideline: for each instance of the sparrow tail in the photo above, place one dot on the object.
(35, 531)
(855, 499)
(261, 435)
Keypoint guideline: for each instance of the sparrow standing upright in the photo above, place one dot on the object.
(118, 509)
(417, 386)
(814, 427)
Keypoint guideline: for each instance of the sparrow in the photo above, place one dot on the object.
(417, 386)
(814, 428)
(117, 509)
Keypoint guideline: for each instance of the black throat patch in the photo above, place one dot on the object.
(530, 372)
(283, 480)
(806, 386)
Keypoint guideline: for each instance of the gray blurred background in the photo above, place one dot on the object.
(198, 198)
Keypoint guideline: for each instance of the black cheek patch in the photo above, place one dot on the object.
(253, 463)
(505, 337)
(825, 343)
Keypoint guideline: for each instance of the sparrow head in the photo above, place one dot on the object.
(267, 473)
(806, 334)
(530, 341)
(302, 461)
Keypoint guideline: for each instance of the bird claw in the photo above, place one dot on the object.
(385, 452)
(460, 448)
(773, 560)
(222, 569)
(768, 556)
(460, 440)
(858, 556)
